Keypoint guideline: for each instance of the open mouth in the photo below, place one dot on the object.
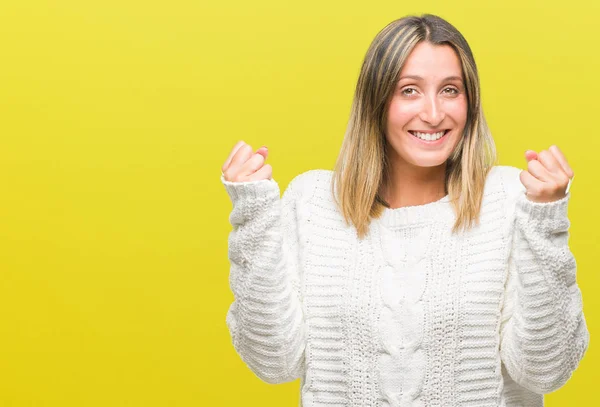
(429, 136)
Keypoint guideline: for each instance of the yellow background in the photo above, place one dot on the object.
(115, 118)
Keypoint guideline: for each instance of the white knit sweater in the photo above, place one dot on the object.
(411, 315)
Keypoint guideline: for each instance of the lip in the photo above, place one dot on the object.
(434, 143)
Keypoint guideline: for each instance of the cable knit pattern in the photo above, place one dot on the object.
(401, 324)
(411, 315)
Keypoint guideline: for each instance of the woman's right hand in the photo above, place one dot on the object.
(244, 165)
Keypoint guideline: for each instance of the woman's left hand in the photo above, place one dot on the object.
(547, 175)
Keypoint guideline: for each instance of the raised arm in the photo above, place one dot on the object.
(266, 320)
(543, 330)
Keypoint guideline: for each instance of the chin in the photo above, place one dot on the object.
(429, 161)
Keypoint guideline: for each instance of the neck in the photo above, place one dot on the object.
(409, 185)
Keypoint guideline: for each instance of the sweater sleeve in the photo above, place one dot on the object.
(266, 320)
(543, 330)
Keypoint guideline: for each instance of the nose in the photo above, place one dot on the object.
(432, 111)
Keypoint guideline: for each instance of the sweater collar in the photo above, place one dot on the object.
(408, 215)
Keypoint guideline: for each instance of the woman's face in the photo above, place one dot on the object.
(429, 98)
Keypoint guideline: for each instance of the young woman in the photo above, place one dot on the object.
(417, 273)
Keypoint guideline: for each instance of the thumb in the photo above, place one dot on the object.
(530, 155)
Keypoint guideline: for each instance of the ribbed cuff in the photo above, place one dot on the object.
(543, 210)
(251, 189)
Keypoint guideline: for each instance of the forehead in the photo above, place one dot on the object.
(432, 62)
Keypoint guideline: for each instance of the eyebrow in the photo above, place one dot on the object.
(419, 78)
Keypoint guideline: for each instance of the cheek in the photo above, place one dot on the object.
(458, 111)
(400, 114)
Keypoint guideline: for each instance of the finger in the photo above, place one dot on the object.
(264, 151)
(265, 172)
(231, 154)
(531, 183)
(550, 163)
(530, 155)
(560, 157)
(540, 172)
(252, 165)
(243, 154)
(554, 168)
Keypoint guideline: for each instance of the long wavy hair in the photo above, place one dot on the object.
(362, 165)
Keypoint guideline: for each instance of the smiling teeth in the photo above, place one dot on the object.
(428, 137)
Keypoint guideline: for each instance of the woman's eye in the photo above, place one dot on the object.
(412, 91)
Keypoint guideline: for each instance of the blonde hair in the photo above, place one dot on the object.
(362, 165)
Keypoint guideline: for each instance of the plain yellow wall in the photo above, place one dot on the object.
(115, 118)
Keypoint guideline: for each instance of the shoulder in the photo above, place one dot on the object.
(507, 178)
(310, 178)
(309, 182)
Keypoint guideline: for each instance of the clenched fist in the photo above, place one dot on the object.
(548, 175)
(243, 164)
